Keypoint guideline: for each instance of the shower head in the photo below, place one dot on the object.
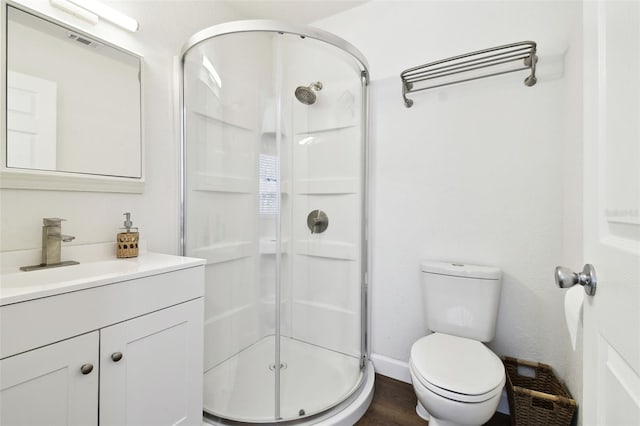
(306, 94)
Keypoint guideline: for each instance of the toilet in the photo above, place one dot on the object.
(457, 379)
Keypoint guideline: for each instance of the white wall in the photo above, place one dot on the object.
(474, 172)
(96, 217)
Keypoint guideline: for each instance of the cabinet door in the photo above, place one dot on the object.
(151, 368)
(47, 386)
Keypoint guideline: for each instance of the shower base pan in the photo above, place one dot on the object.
(312, 379)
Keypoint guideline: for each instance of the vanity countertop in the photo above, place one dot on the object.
(94, 270)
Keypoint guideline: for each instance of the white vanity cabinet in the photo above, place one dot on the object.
(151, 369)
(47, 387)
(124, 353)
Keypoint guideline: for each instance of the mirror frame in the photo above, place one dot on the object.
(16, 178)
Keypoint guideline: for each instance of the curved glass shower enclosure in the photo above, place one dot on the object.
(274, 140)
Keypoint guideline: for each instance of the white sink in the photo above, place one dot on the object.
(66, 274)
(19, 286)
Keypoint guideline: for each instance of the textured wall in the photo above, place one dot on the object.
(473, 172)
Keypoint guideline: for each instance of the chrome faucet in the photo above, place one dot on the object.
(52, 239)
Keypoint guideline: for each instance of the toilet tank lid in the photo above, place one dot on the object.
(459, 269)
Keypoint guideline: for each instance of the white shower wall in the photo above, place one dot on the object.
(223, 130)
(326, 174)
(252, 122)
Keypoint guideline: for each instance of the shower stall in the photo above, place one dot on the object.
(274, 140)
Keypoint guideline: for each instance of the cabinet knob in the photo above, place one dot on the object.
(86, 368)
(116, 356)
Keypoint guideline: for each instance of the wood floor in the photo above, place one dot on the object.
(394, 404)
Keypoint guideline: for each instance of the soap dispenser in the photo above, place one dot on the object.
(128, 239)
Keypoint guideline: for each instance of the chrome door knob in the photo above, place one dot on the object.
(565, 278)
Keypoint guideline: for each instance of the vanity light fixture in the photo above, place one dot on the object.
(74, 10)
(108, 13)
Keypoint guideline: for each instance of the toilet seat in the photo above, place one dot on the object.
(457, 368)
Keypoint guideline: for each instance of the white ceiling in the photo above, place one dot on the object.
(295, 11)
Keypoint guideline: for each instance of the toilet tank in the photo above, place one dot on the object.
(461, 299)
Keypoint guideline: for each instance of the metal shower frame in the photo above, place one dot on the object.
(323, 36)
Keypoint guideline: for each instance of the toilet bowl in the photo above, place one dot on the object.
(457, 381)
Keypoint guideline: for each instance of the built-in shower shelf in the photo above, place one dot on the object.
(336, 186)
(269, 246)
(225, 122)
(270, 300)
(327, 249)
(231, 313)
(273, 135)
(225, 252)
(217, 183)
(324, 306)
(325, 129)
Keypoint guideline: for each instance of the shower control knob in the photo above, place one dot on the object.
(116, 356)
(317, 221)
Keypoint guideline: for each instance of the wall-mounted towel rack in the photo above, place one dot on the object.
(420, 78)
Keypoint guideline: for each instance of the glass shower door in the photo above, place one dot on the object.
(273, 200)
(231, 209)
(322, 211)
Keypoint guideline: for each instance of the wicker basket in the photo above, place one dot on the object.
(127, 244)
(538, 400)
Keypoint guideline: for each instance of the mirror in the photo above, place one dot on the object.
(73, 102)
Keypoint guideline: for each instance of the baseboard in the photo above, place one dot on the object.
(390, 367)
(399, 370)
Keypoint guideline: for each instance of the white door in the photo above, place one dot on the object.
(151, 369)
(612, 212)
(31, 122)
(56, 385)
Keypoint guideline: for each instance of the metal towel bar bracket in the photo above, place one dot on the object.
(495, 60)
